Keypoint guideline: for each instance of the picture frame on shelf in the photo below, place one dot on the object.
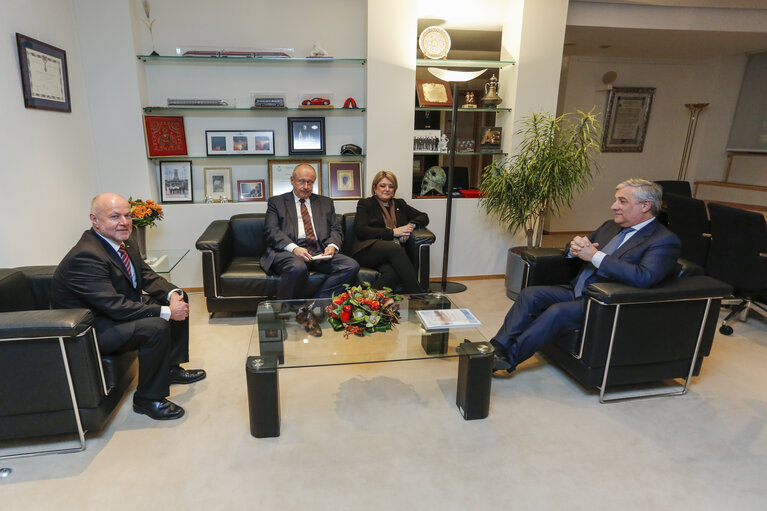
(419, 162)
(44, 75)
(251, 190)
(281, 170)
(490, 139)
(233, 143)
(165, 135)
(306, 135)
(176, 181)
(218, 183)
(434, 93)
(345, 179)
(626, 118)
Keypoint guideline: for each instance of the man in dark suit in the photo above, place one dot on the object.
(633, 248)
(134, 308)
(302, 233)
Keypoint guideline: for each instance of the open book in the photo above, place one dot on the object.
(447, 318)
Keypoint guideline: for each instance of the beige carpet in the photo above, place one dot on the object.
(389, 436)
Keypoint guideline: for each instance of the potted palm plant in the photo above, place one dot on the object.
(555, 159)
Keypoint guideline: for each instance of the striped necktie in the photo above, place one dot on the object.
(125, 259)
(311, 239)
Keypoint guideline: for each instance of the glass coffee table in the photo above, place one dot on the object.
(296, 333)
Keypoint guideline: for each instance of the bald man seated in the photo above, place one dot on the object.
(134, 308)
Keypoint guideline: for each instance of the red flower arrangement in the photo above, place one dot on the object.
(144, 212)
(361, 310)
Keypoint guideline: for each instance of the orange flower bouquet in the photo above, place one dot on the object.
(144, 212)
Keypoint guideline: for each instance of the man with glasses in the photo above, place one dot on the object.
(302, 233)
(633, 248)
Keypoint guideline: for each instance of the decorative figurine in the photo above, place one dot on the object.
(434, 180)
(223, 199)
(491, 98)
(469, 101)
(318, 51)
(149, 22)
(443, 140)
(209, 199)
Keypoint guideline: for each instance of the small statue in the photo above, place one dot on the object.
(224, 199)
(309, 320)
(209, 199)
(443, 140)
(434, 180)
(469, 100)
(318, 51)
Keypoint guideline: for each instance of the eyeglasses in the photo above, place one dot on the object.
(301, 182)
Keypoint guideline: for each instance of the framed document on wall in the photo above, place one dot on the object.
(628, 111)
(281, 170)
(44, 75)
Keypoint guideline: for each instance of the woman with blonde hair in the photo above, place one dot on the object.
(383, 227)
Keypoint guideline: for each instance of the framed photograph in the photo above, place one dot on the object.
(345, 179)
(419, 162)
(44, 75)
(218, 183)
(250, 190)
(281, 170)
(434, 93)
(165, 136)
(176, 181)
(489, 138)
(628, 111)
(219, 143)
(306, 135)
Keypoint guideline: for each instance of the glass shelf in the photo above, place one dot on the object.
(464, 63)
(149, 109)
(262, 156)
(457, 153)
(246, 60)
(470, 110)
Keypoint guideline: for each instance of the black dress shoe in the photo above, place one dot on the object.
(501, 360)
(180, 375)
(157, 409)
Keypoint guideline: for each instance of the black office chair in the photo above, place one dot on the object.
(677, 187)
(688, 219)
(738, 256)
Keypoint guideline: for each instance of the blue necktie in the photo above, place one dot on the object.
(588, 270)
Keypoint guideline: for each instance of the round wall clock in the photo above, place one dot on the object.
(434, 42)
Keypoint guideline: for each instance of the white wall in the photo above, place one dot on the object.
(49, 171)
(714, 81)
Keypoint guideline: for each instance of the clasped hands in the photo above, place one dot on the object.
(306, 256)
(582, 248)
(403, 232)
(179, 309)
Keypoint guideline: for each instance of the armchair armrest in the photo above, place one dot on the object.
(690, 288)
(421, 253)
(45, 323)
(423, 236)
(549, 266)
(215, 243)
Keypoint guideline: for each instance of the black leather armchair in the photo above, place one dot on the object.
(53, 378)
(632, 335)
(233, 280)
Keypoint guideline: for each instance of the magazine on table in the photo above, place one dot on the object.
(447, 318)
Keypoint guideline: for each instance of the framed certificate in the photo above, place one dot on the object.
(44, 75)
(281, 170)
(628, 111)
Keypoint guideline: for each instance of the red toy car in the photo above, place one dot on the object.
(316, 101)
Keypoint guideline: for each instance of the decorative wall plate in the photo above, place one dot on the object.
(434, 42)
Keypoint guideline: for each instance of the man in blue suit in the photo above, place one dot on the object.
(633, 248)
(302, 232)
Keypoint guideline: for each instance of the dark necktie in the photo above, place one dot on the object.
(588, 270)
(126, 260)
(311, 239)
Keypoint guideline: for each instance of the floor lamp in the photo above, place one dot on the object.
(695, 110)
(443, 286)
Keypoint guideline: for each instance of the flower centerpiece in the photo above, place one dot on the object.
(144, 212)
(361, 310)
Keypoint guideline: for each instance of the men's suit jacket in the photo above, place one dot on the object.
(643, 260)
(281, 225)
(369, 223)
(92, 276)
